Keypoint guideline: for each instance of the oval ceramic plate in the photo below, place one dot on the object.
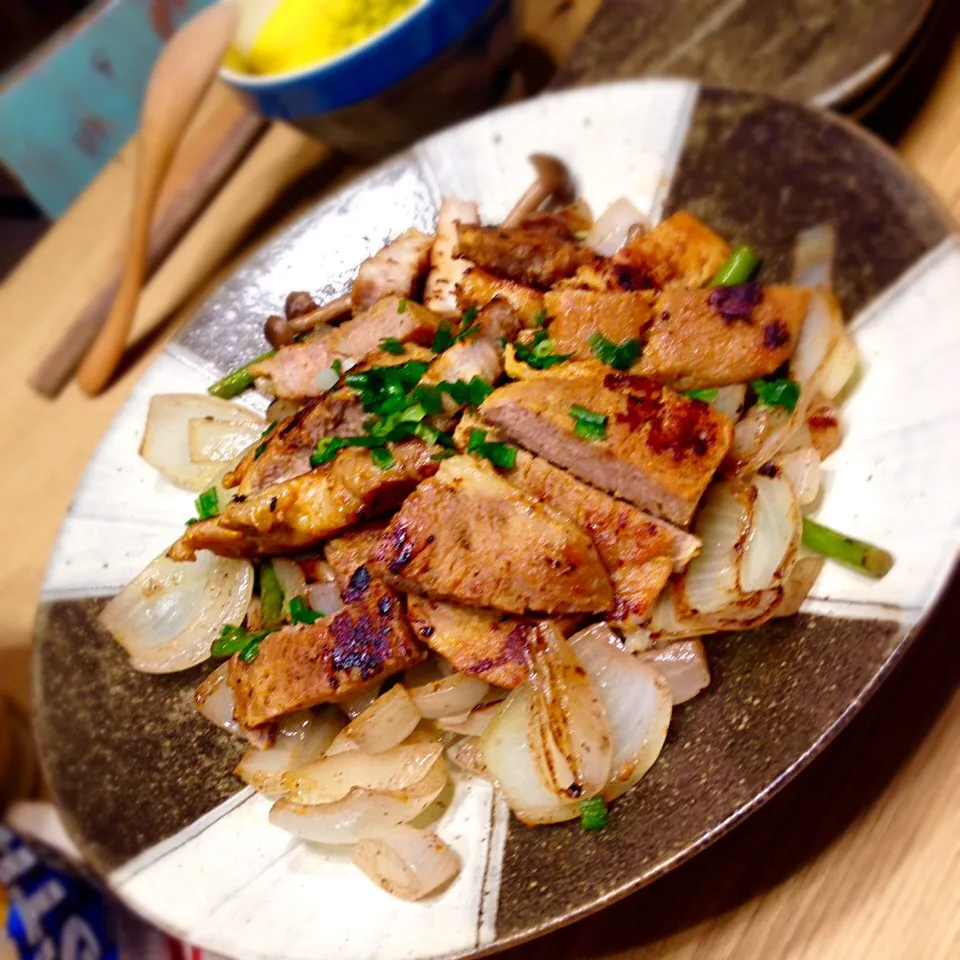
(145, 783)
(816, 51)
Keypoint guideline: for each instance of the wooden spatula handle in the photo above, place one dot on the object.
(181, 75)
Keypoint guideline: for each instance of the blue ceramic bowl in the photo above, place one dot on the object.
(442, 61)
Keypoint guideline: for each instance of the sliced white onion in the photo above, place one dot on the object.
(281, 408)
(333, 777)
(507, 757)
(451, 695)
(799, 584)
(823, 423)
(214, 699)
(385, 724)
(840, 366)
(354, 705)
(220, 441)
(683, 664)
(611, 229)
(636, 700)
(467, 754)
(471, 724)
(666, 625)
(324, 597)
(730, 400)
(568, 732)
(801, 469)
(771, 545)
(290, 575)
(407, 863)
(302, 737)
(169, 614)
(814, 255)
(710, 582)
(360, 813)
(166, 437)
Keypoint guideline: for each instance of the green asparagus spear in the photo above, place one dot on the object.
(239, 380)
(865, 557)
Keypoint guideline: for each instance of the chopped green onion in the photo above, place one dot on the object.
(301, 613)
(707, 395)
(587, 424)
(402, 305)
(469, 315)
(392, 345)
(207, 504)
(258, 453)
(326, 451)
(233, 640)
(337, 367)
(426, 433)
(741, 265)
(382, 457)
(271, 596)
(619, 356)
(430, 398)
(501, 455)
(477, 391)
(862, 556)
(249, 653)
(539, 353)
(443, 455)
(777, 393)
(463, 334)
(593, 814)
(541, 320)
(443, 338)
(239, 380)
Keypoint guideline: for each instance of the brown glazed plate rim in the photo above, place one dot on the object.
(755, 168)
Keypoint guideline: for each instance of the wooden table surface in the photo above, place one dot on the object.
(860, 857)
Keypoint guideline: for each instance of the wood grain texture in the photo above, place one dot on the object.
(860, 857)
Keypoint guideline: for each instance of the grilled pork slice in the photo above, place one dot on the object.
(446, 271)
(303, 665)
(660, 448)
(293, 369)
(480, 287)
(469, 536)
(346, 554)
(533, 257)
(721, 336)
(576, 315)
(679, 251)
(301, 512)
(394, 271)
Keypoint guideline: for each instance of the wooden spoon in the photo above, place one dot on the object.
(180, 77)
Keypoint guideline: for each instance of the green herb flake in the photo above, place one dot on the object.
(382, 457)
(207, 504)
(539, 353)
(619, 356)
(777, 393)
(392, 345)
(587, 424)
(258, 453)
(271, 596)
(234, 640)
(541, 320)
(707, 395)
(326, 451)
(501, 455)
(593, 814)
(469, 315)
(301, 613)
(402, 305)
(443, 455)
(443, 339)
(337, 368)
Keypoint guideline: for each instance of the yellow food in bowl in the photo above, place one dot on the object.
(301, 33)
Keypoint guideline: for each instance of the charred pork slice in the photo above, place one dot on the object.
(469, 536)
(679, 251)
(576, 315)
(394, 271)
(303, 665)
(532, 257)
(659, 450)
(293, 370)
(446, 271)
(301, 512)
(348, 553)
(480, 287)
(722, 336)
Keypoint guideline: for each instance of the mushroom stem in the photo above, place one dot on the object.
(280, 332)
(553, 180)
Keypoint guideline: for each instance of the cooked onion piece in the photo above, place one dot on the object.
(385, 724)
(407, 863)
(801, 469)
(467, 754)
(166, 438)
(214, 699)
(770, 548)
(683, 664)
(324, 597)
(799, 584)
(636, 700)
(448, 696)
(302, 737)
(360, 813)
(730, 400)
(823, 423)
(568, 732)
(333, 777)
(612, 228)
(220, 441)
(471, 724)
(291, 578)
(355, 705)
(507, 756)
(169, 614)
(840, 367)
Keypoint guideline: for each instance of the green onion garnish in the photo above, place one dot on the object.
(402, 305)
(271, 596)
(593, 814)
(207, 504)
(619, 356)
(707, 395)
(741, 265)
(469, 315)
(301, 613)
(587, 424)
(777, 393)
(391, 345)
(382, 457)
(539, 353)
(233, 640)
(501, 455)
